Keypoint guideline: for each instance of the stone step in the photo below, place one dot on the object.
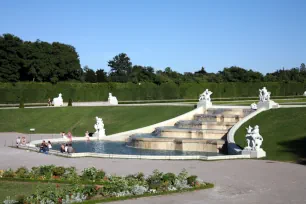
(179, 133)
(218, 117)
(238, 111)
(197, 124)
(181, 144)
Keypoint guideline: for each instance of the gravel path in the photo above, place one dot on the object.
(236, 181)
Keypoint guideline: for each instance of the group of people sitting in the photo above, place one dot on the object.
(45, 147)
(67, 148)
(21, 141)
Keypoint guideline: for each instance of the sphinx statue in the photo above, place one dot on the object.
(58, 101)
(112, 99)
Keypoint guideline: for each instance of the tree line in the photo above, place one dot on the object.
(53, 62)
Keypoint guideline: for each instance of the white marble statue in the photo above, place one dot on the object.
(254, 106)
(112, 99)
(99, 126)
(264, 95)
(304, 93)
(257, 138)
(205, 100)
(58, 101)
(249, 137)
(254, 139)
(205, 96)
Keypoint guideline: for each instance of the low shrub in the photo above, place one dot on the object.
(191, 180)
(106, 186)
(22, 172)
(169, 177)
(9, 173)
(58, 171)
(21, 104)
(70, 102)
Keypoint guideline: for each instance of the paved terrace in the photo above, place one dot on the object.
(236, 181)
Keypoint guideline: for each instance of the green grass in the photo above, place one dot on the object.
(283, 131)
(80, 119)
(13, 189)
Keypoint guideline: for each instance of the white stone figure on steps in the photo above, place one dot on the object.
(258, 139)
(249, 137)
(264, 95)
(58, 101)
(254, 142)
(112, 99)
(254, 106)
(205, 96)
(264, 100)
(304, 93)
(205, 99)
(99, 126)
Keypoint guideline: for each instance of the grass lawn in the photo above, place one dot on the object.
(283, 131)
(80, 119)
(13, 188)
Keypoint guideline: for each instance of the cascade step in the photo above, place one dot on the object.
(237, 111)
(197, 124)
(218, 117)
(183, 144)
(173, 132)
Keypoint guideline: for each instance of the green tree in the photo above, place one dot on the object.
(90, 75)
(10, 58)
(303, 68)
(121, 67)
(101, 75)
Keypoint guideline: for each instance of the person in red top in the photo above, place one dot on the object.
(69, 136)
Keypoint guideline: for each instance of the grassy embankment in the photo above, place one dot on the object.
(283, 131)
(80, 119)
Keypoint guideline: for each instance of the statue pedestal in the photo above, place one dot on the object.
(267, 104)
(205, 104)
(254, 153)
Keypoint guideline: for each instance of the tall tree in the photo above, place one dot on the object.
(121, 67)
(90, 75)
(10, 58)
(101, 75)
(303, 68)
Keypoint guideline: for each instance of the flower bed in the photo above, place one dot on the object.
(96, 184)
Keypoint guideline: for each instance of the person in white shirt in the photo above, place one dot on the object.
(66, 148)
(18, 140)
(49, 145)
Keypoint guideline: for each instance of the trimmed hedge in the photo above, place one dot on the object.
(40, 92)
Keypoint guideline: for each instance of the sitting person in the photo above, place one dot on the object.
(63, 134)
(44, 147)
(49, 145)
(87, 135)
(18, 142)
(66, 148)
(70, 149)
(69, 136)
(23, 141)
(62, 148)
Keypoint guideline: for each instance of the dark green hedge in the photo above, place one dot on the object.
(40, 92)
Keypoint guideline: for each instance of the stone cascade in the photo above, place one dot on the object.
(206, 132)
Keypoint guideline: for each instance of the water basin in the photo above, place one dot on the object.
(106, 147)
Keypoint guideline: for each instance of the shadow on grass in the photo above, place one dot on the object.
(297, 147)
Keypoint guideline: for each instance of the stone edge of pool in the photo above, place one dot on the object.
(32, 147)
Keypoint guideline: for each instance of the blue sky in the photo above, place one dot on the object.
(262, 35)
